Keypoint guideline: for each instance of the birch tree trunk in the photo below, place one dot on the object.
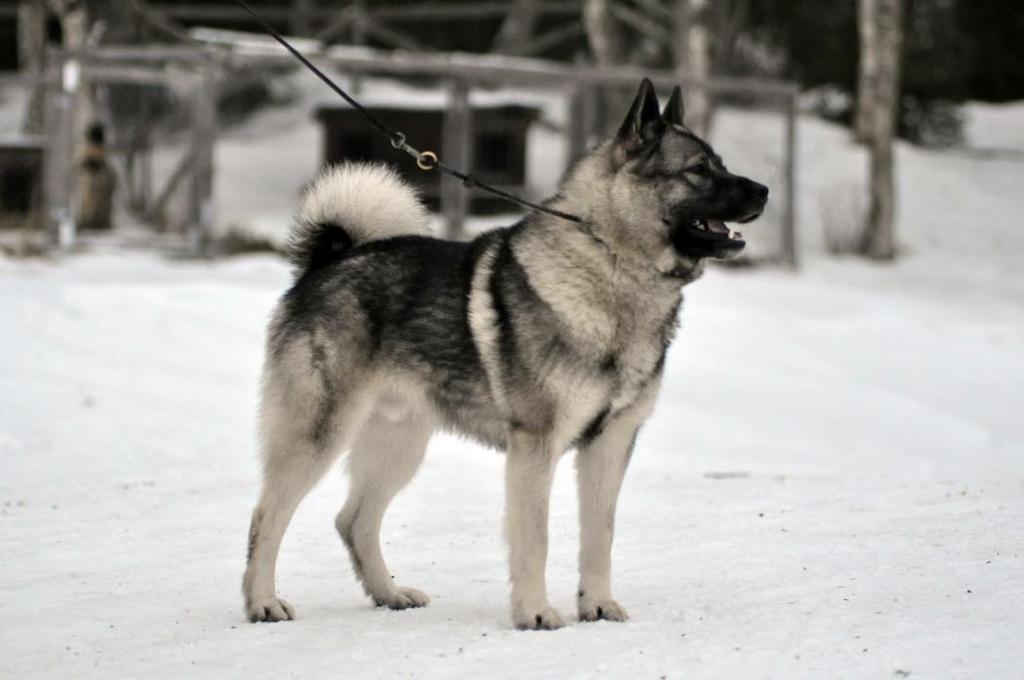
(880, 232)
(517, 27)
(608, 47)
(75, 24)
(867, 70)
(301, 20)
(32, 59)
(603, 35)
(85, 23)
(692, 55)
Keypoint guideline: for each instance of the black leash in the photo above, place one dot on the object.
(425, 160)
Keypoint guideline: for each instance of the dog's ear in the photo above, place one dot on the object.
(643, 122)
(673, 112)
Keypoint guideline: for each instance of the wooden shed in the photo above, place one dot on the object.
(499, 146)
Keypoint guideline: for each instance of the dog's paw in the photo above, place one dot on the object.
(546, 618)
(269, 610)
(402, 598)
(595, 610)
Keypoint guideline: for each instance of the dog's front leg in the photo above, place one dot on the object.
(600, 467)
(528, 473)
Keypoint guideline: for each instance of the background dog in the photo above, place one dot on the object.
(535, 339)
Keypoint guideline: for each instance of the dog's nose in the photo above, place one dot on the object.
(762, 191)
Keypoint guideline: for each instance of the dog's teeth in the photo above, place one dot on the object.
(702, 225)
(735, 234)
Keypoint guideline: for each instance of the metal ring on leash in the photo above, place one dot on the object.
(427, 160)
(398, 140)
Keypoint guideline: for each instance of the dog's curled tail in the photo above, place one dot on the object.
(349, 205)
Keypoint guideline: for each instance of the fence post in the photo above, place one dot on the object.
(582, 120)
(57, 122)
(789, 242)
(302, 17)
(358, 38)
(457, 150)
(204, 140)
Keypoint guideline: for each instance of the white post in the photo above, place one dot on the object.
(457, 151)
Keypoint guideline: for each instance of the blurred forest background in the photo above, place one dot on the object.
(953, 50)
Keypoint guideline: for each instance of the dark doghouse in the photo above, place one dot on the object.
(499, 146)
(21, 182)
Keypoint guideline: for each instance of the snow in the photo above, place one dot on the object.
(994, 126)
(832, 484)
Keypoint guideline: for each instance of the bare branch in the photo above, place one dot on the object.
(160, 21)
(389, 35)
(656, 8)
(640, 22)
(517, 28)
(556, 36)
(341, 23)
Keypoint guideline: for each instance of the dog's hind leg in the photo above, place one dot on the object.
(287, 478)
(305, 426)
(384, 458)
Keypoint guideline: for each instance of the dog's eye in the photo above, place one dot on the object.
(698, 168)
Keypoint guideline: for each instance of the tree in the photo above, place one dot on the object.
(518, 26)
(86, 23)
(639, 33)
(880, 231)
(603, 35)
(867, 70)
(32, 59)
(692, 56)
(608, 45)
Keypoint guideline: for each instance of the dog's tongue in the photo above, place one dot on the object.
(719, 227)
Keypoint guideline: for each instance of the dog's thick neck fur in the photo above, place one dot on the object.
(598, 190)
(613, 276)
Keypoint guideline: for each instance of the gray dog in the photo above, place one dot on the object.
(535, 339)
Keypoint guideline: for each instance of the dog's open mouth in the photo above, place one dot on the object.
(714, 231)
(709, 237)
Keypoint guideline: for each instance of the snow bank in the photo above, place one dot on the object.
(994, 126)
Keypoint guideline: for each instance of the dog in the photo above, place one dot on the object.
(534, 339)
(96, 183)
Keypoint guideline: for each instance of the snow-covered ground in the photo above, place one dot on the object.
(832, 485)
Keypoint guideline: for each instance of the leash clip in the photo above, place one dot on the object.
(426, 160)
